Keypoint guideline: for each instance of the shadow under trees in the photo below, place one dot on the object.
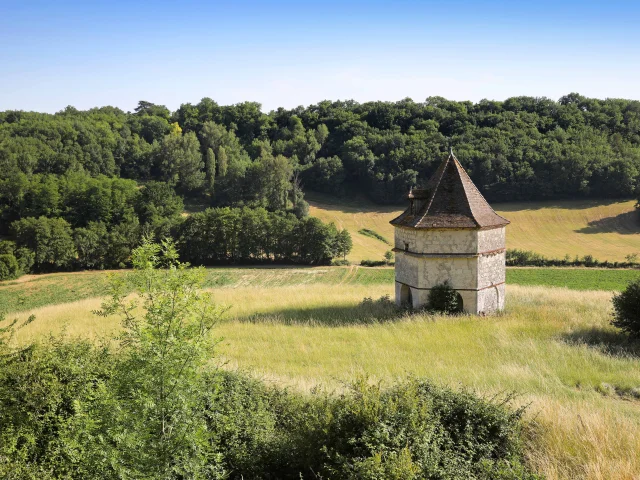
(607, 341)
(627, 223)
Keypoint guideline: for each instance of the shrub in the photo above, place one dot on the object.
(413, 430)
(373, 263)
(516, 257)
(340, 262)
(41, 392)
(444, 299)
(626, 306)
(9, 267)
(527, 258)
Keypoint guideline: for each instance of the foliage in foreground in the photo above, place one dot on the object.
(412, 430)
(626, 309)
(153, 404)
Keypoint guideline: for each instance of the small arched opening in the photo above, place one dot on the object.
(406, 300)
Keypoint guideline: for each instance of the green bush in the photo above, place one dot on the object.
(9, 267)
(340, 262)
(444, 299)
(26, 259)
(626, 309)
(42, 390)
(414, 429)
(373, 263)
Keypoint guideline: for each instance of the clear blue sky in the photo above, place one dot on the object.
(93, 53)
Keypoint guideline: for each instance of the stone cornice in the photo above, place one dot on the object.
(449, 255)
(456, 289)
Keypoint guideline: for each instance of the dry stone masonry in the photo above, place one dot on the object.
(449, 233)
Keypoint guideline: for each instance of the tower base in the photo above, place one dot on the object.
(478, 302)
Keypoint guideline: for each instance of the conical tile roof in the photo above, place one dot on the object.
(449, 200)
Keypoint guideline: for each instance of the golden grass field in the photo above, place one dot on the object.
(553, 346)
(608, 230)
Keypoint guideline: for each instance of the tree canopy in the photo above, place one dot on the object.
(518, 149)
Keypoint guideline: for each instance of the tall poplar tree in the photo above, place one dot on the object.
(210, 169)
(223, 161)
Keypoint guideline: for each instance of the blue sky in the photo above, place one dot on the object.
(93, 53)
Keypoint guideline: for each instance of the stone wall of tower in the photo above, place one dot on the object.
(471, 261)
(458, 272)
(490, 299)
(491, 269)
(436, 241)
(489, 240)
(407, 269)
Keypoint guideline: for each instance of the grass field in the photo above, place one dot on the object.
(307, 326)
(605, 279)
(608, 230)
(33, 291)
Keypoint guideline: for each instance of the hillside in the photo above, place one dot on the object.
(606, 229)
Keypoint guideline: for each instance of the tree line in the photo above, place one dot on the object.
(251, 235)
(518, 149)
(75, 221)
(216, 236)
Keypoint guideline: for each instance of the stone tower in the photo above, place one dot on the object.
(450, 233)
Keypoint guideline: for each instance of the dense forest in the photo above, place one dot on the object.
(79, 189)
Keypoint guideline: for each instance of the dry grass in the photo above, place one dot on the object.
(605, 229)
(553, 346)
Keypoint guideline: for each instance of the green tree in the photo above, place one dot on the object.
(223, 161)
(157, 203)
(344, 244)
(91, 245)
(154, 410)
(180, 160)
(50, 239)
(210, 169)
(151, 109)
(9, 267)
(276, 174)
(626, 309)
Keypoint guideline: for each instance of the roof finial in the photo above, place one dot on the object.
(451, 150)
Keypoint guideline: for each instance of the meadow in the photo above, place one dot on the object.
(605, 229)
(34, 291)
(304, 327)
